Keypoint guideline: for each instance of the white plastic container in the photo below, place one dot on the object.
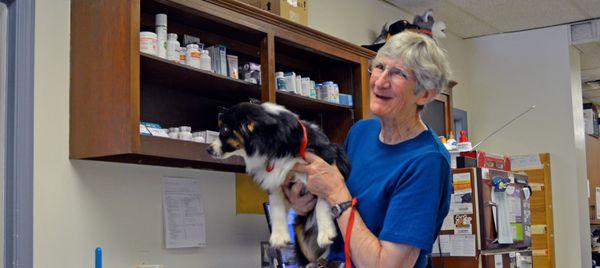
(148, 43)
(192, 55)
(160, 22)
(336, 93)
(205, 61)
(290, 82)
(298, 88)
(185, 133)
(181, 51)
(306, 86)
(280, 78)
(199, 136)
(313, 90)
(173, 132)
(172, 47)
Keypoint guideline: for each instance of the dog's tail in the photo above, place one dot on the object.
(306, 231)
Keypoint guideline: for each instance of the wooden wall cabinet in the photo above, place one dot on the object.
(114, 86)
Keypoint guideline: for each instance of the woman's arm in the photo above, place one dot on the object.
(367, 250)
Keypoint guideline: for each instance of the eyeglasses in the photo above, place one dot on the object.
(396, 74)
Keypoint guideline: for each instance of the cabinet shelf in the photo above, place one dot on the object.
(176, 153)
(178, 76)
(299, 102)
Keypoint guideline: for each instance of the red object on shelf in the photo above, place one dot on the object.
(489, 160)
(463, 136)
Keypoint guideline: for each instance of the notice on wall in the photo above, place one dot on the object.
(183, 213)
(523, 162)
(443, 243)
(461, 183)
(462, 245)
(498, 261)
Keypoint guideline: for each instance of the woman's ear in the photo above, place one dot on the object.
(426, 96)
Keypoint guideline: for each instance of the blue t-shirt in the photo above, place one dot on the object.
(403, 190)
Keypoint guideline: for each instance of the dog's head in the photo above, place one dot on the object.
(244, 126)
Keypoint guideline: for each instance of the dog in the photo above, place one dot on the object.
(271, 140)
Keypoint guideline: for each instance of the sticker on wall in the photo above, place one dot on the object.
(462, 208)
(462, 224)
(462, 183)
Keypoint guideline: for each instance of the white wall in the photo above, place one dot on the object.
(83, 204)
(510, 72)
(360, 21)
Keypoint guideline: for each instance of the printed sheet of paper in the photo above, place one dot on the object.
(520, 162)
(445, 245)
(498, 261)
(448, 223)
(183, 213)
(462, 245)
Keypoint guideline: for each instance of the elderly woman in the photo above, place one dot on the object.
(400, 170)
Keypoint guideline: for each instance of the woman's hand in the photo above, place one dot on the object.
(301, 202)
(323, 179)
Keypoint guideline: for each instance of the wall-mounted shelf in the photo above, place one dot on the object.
(115, 88)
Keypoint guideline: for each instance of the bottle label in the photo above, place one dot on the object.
(195, 54)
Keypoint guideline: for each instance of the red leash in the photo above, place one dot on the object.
(303, 146)
(349, 233)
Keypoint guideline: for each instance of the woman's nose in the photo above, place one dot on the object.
(382, 81)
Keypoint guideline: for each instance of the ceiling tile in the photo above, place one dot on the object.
(508, 15)
(590, 7)
(457, 21)
(590, 55)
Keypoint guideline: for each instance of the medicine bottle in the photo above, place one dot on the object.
(182, 55)
(172, 47)
(205, 61)
(148, 43)
(185, 133)
(161, 32)
(192, 56)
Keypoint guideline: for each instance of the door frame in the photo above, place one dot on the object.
(18, 140)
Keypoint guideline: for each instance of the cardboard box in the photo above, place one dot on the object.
(294, 10)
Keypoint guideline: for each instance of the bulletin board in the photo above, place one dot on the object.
(248, 196)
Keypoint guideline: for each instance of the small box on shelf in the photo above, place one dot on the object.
(590, 119)
(294, 10)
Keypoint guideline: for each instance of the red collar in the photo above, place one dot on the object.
(427, 32)
(303, 146)
(304, 143)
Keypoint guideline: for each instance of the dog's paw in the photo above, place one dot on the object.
(325, 237)
(280, 239)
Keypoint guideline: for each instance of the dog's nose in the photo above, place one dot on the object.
(210, 150)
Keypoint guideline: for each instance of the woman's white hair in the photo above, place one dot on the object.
(422, 55)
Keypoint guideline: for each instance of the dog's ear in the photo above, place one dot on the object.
(258, 120)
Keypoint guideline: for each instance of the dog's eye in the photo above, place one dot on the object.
(225, 130)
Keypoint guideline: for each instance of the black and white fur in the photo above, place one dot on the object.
(269, 134)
